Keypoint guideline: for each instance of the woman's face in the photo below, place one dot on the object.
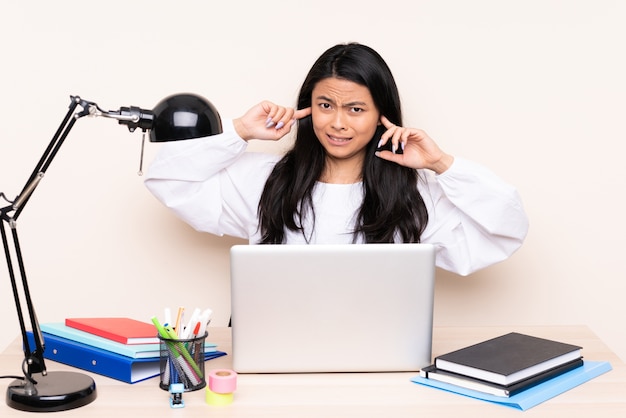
(344, 118)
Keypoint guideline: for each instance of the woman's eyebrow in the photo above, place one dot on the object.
(349, 104)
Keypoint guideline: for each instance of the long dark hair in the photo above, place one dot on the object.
(392, 207)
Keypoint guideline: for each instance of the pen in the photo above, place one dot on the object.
(196, 330)
(186, 333)
(205, 318)
(196, 347)
(179, 319)
(178, 368)
(179, 350)
(168, 316)
(162, 332)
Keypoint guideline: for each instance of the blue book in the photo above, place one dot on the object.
(130, 350)
(533, 396)
(103, 362)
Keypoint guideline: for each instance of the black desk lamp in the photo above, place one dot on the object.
(181, 116)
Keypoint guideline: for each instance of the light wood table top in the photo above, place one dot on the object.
(348, 394)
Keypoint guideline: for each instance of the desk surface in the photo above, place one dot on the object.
(350, 394)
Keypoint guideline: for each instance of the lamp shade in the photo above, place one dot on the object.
(184, 116)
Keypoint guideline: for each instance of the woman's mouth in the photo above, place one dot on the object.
(338, 139)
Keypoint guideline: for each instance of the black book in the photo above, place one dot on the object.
(508, 359)
(431, 372)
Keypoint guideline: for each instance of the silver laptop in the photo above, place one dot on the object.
(332, 308)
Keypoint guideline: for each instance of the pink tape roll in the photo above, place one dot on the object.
(223, 381)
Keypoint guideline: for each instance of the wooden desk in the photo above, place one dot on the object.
(349, 395)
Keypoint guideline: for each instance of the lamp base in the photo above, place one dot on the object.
(56, 391)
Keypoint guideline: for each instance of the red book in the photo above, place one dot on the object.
(122, 330)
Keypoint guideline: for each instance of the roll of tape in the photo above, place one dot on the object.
(218, 399)
(223, 381)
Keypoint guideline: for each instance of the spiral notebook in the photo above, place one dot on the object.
(332, 308)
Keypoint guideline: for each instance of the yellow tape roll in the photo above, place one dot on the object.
(218, 399)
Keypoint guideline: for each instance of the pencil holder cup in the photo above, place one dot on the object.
(182, 361)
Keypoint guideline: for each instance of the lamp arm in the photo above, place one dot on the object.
(45, 161)
(133, 117)
(33, 360)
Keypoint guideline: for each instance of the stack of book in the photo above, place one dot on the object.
(121, 348)
(510, 366)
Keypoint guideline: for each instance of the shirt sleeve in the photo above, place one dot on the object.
(211, 183)
(475, 218)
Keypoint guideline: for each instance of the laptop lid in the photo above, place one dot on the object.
(332, 308)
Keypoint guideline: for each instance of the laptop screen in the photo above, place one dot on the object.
(332, 308)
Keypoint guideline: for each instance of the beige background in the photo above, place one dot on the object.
(535, 90)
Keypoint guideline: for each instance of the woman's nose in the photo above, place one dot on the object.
(339, 122)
